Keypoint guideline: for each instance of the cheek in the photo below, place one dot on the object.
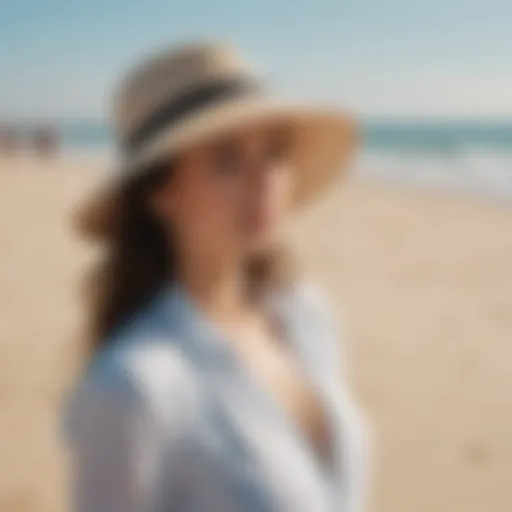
(210, 208)
(264, 208)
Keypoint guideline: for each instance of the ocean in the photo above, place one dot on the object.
(474, 157)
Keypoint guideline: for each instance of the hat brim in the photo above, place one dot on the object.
(323, 143)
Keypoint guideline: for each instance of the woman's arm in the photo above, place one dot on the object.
(110, 441)
(117, 448)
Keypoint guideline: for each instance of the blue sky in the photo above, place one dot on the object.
(408, 58)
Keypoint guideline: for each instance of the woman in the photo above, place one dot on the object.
(213, 384)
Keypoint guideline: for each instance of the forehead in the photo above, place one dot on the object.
(246, 136)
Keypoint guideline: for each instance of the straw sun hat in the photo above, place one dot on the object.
(186, 95)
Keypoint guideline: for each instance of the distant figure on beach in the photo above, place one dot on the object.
(9, 140)
(45, 141)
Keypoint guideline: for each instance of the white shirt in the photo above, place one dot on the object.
(167, 420)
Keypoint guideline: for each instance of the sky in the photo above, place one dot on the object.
(380, 58)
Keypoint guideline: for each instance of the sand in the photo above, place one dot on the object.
(422, 280)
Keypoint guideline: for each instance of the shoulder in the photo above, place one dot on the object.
(148, 366)
(305, 302)
(140, 374)
(311, 317)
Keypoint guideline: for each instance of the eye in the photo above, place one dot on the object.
(278, 147)
(226, 158)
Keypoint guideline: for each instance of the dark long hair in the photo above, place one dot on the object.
(140, 258)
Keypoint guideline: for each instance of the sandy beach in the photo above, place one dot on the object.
(422, 280)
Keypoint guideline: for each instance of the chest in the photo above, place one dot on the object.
(264, 418)
(253, 450)
(284, 380)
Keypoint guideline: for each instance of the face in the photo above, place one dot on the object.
(227, 198)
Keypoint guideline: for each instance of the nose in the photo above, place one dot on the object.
(262, 180)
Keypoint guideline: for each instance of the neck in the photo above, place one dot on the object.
(218, 288)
